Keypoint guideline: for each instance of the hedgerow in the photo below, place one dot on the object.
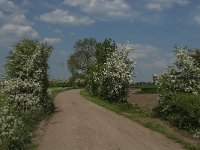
(179, 89)
(25, 87)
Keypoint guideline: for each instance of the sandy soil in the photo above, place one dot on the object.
(83, 125)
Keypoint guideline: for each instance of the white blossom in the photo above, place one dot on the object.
(183, 76)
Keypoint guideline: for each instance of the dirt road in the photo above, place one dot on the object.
(83, 125)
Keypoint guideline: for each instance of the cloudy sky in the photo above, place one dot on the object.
(153, 26)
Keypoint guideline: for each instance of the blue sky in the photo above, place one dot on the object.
(154, 27)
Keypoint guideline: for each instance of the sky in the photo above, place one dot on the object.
(154, 27)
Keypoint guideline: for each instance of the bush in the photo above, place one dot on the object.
(182, 110)
(183, 76)
(26, 75)
(25, 88)
(77, 80)
(12, 129)
(179, 88)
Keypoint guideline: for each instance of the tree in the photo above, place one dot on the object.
(103, 50)
(73, 63)
(90, 57)
(112, 80)
(83, 55)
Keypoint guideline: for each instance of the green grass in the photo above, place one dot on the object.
(144, 118)
(148, 91)
(53, 91)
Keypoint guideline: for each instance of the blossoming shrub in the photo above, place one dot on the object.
(179, 88)
(12, 129)
(25, 87)
(113, 80)
(183, 76)
(26, 79)
(23, 95)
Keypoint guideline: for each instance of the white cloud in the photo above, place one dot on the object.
(7, 5)
(10, 33)
(102, 8)
(74, 2)
(26, 3)
(154, 6)
(13, 13)
(183, 2)
(144, 50)
(155, 64)
(150, 59)
(159, 5)
(52, 40)
(18, 30)
(17, 18)
(63, 17)
(149, 56)
(14, 24)
(197, 19)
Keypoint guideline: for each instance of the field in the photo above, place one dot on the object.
(143, 100)
(144, 95)
(145, 88)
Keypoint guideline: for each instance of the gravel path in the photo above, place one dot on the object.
(83, 125)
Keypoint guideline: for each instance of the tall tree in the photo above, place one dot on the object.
(83, 56)
(104, 49)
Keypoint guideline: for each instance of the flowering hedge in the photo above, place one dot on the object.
(26, 79)
(183, 76)
(113, 79)
(12, 130)
(179, 89)
(25, 87)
